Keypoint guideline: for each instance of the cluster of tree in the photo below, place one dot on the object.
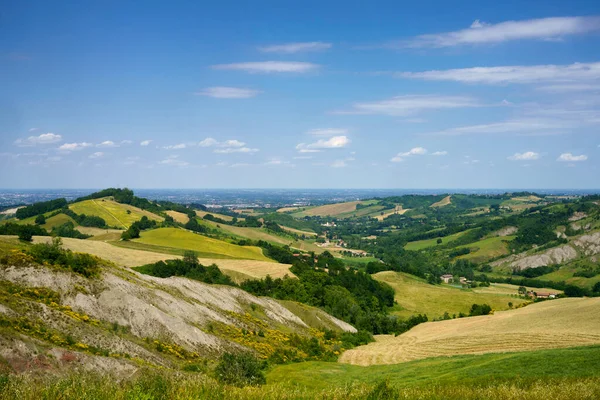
(250, 222)
(134, 230)
(535, 272)
(350, 295)
(480, 309)
(68, 230)
(85, 220)
(188, 267)
(24, 232)
(53, 254)
(194, 226)
(40, 208)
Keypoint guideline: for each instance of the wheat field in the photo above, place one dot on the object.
(550, 324)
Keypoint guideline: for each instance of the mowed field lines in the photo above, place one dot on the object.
(416, 296)
(205, 246)
(115, 214)
(560, 323)
(333, 209)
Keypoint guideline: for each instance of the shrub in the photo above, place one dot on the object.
(40, 219)
(480, 309)
(53, 254)
(241, 369)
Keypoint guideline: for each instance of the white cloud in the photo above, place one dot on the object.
(526, 156)
(519, 126)
(174, 161)
(33, 129)
(179, 146)
(481, 32)
(577, 72)
(145, 142)
(107, 143)
(44, 138)
(223, 92)
(126, 142)
(270, 67)
(571, 158)
(439, 153)
(291, 48)
(335, 142)
(416, 151)
(230, 150)
(208, 142)
(327, 132)
(411, 104)
(97, 154)
(231, 143)
(303, 157)
(74, 146)
(339, 164)
(575, 87)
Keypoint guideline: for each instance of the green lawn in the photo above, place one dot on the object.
(423, 244)
(484, 369)
(416, 296)
(486, 249)
(180, 239)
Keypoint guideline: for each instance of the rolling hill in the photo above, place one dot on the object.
(550, 324)
(115, 214)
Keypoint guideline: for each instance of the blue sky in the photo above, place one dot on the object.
(309, 94)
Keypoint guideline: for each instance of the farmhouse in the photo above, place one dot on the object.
(447, 278)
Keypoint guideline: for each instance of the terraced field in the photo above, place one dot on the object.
(115, 214)
(416, 296)
(550, 324)
(205, 247)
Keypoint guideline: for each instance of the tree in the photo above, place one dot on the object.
(190, 258)
(510, 304)
(40, 219)
(574, 291)
(439, 241)
(596, 288)
(26, 234)
(522, 290)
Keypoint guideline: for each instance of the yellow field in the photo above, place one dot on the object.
(443, 202)
(178, 216)
(288, 209)
(205, 246)
(297, 231)
(224, 217)
(100, 233)
(115, 214)
(57, 220)
(416, 296)
(333, 209)
(126, 257)
(550, 324)
(398, 210)
(252, 233)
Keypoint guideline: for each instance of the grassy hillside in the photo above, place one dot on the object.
(335, 209)
(205, 247)
(423, 244)
(115, 214)
(560, 323)
(416, 296)
(444, 202)
(577, 362)
(178, 216)
(486, 249)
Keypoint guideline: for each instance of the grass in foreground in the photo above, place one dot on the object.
(474, 370)
(559, 375)
(205, 246)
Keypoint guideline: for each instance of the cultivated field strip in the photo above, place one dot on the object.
(552, 324)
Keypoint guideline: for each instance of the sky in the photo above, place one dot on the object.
(311, 94)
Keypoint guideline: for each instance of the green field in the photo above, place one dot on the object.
(486, 249)
(423, 244)
(416, 296)
(207, 247)
(115, 214)
(578, 362)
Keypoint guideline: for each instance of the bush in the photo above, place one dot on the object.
(480, 309)
(240, 370)
(40, 219)
(574, 291)
(53, 254)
